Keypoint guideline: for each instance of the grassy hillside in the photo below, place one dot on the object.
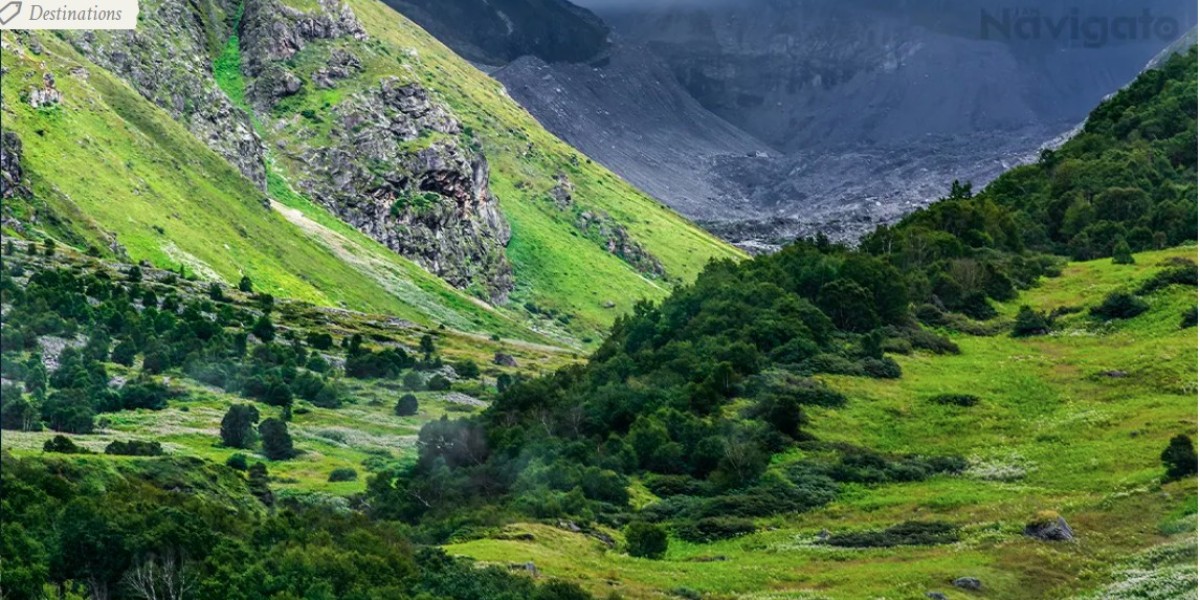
(107, 165)
(1072, 423)
(364, 429)
(558, 268)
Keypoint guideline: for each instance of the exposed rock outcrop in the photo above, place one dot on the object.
(1050, 528)
(11, 175)
(272, 33)
(394, 168)
(607, 232)
(168, 61)
(47, 94)
(396, 162)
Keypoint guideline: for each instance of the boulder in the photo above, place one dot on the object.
(1050, 528)
(504, 360)
(936, 596)
(968, 583)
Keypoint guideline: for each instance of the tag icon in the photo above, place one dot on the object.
(9, 12)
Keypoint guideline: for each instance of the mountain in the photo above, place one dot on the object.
(351, 159)
(496, 32)
(628, 112)
(993, 397)
(826, 116)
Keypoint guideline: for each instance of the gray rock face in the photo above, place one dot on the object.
(397, 165)
(47, 94)
(629, 113)
(272, 33)
(1052, 530)
(968, 583)
(167, 61)
(11, 175)
(769, 119)
(395, 169)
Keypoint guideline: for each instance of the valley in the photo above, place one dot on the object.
(363, 300)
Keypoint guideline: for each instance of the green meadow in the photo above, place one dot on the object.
(1071, 423)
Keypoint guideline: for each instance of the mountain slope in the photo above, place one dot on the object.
(107, 169)
(449, 173)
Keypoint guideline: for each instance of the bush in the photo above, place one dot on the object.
(407, 406)
(646, 540)
(1181, 275)
(438, 383)
(963, 400)
(666, 486)
(1189, 319)
(712, 529)
(910, 533)
(1030, 323)
(1120, 305)
(63, 445)
(1180, 458)
(467, 369)
(134, 448)
(238, 462)
(343, 474)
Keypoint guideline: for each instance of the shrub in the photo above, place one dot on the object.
(646, 540)
(666, 486)
(712, 529)
(1030, 323)
(343, 474)
(238, 462)
(1120, 305)
(1180, 275)
(134, 448)
(881, 368)
(407, 406)
(1122, 253)
(438, 383)
(1189, 318)
(1180, 458)
(964, 400)
(61, 444)
(467, 369)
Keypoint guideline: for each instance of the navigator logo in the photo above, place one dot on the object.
(69, 14)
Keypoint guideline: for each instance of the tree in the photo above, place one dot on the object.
(427, 347)
(215, 292)
(1030, 323)
(263, 329)
(437, 383)
(1179, 458)
(237, 427)
(9, 247)
(49, 246)
(277, 442)
(407, 406)
(646, 540)
(1122, 254)
(245, 285)
(125, 353)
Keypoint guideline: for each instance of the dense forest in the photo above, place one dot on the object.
(692, 397)
(687, 400)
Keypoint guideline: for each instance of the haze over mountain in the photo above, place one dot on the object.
(850, 113)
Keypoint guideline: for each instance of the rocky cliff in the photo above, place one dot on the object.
(389, 159)
(168, 60)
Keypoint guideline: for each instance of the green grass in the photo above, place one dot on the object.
(108, 163)
(1087, 444)
(555, 265)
